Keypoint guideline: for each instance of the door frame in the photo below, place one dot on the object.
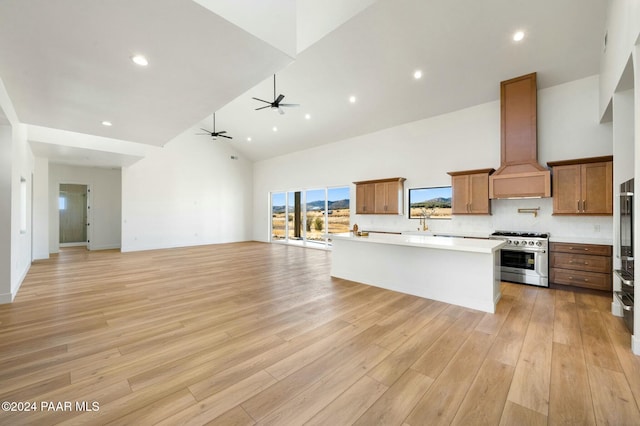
(89, 214)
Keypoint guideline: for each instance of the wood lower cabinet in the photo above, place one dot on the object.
(581, 265)
(382, 196)
(583, 186)
(470, 192)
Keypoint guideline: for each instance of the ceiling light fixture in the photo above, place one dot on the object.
(417, 74)
(107, 123)
(352, 99)
(140, 60)
(275, 129)
(249, 139)
(307, 116)
(518, 35)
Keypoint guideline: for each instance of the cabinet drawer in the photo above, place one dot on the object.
(581, 262)
(598, 250)
(592, 280)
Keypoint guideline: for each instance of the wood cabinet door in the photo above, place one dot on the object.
(460, 194)
(566, 189)
(365, 194)
(388, 197)
(394, 197)
(597, 187)
(479, 193)
(380, 197)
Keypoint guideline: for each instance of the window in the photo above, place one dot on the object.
(432, 202)
(278, 215)
(307, 217)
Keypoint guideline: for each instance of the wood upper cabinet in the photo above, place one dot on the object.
(470, 192)
(583, 186)
(382, 196)
(365, 198)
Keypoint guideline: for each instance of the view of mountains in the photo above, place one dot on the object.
(318, 205)
(433, 203)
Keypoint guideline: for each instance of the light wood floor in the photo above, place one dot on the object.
(259, 333)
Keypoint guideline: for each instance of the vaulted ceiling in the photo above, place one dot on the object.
(66, 64)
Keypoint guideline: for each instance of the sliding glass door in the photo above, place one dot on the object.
(307, 217)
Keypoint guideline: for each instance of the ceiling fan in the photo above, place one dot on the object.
(276, 104)
(214, 134)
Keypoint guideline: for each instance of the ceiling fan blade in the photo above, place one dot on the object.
(203, 134)
(261, 100)
(268, 106)
(278, 99)
(208, 131)
(223, 136)
(281, 111)
(289, 105)
(224, 131)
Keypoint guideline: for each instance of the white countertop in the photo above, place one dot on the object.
(427, 241)
(468, 234)
(581, 240)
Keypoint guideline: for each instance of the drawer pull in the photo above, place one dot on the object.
(578, 279)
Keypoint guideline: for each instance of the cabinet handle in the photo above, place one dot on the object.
(584, 205)
(578, 205)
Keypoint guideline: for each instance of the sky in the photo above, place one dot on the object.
(423, 194)
(335, 194)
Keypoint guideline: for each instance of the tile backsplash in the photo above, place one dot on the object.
(505, 217)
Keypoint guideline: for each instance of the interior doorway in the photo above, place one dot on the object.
(73, 205)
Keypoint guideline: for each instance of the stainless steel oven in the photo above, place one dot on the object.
(525, 257)
(626, 274)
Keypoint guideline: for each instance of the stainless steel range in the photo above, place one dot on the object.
(525, 257)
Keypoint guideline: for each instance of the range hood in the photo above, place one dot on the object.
(519, 175)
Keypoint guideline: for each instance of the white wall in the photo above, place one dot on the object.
(5, 213)
(17, 162)
(189, 193)
(105, 201)
(424, 151)
(623, 29)
(22, 168)
(41, 209)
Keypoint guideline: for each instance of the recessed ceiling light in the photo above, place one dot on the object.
(107, 123)
(417, 74)
(352, 99)
(140, 60)
(275, 129)
(518, 35)
(249, 139)
(307, 116)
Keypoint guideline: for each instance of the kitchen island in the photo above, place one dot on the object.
(460, 271)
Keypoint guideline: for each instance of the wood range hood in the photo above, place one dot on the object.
(519, 175)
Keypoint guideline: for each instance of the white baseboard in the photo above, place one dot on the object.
(616, 309)
(6, 298)
(105, 247)
(635, 344)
